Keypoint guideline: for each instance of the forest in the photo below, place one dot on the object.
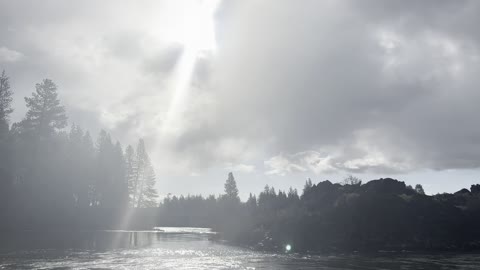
(380, 215)
(53, 179)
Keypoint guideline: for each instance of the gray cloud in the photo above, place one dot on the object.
(164, 61)
(319, 76)
(309, 86)
(7, 55)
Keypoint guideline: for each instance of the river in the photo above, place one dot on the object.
(190, 248)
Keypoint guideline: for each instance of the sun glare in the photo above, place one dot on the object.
(196, 33)
(195, 30)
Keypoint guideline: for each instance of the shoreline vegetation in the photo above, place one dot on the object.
(51, 179)
(381, 215)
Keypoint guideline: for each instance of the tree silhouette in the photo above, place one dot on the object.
(119, 188)
(143, 182)
(352, 180)
(231, 190)
(6, 150)
(419, 189)
(45, 114)
(149, 198)
(78, 165)
(131, 174)
(308, 185)
(5, 102)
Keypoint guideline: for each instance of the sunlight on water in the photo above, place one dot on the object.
(189, 248)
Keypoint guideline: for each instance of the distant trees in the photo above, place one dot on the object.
(380, 214)
(140, 177)
(111, 184)
(419, 189)
(53, 178)
(475, 189)
(352, 180)
(5, 102)
(6, 170)
(130, 174)
(308, 185)
(81, 167)
(46, 172)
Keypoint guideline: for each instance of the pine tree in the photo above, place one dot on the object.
(103, 177)
(44, 115)
(149, 198)
(75, 160)
(251, 202)
(141, 160)
(120, 186)
(231, 190)
(130, 173)
(308, 186)
(145, 194)
(6, 149)
(89, 165)
(5, 102)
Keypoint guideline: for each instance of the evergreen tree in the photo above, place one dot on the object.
(130, 173)
(6, 150)
(111, 189)
(145, 194)
(293, 195)
(251, 202)
(104, 178)
(89, 165)
(141, 160)
(149, 198)
(231, 190)
(419, 189)
(308, 186)
(75, 160)
(45, 114)
(120, 186)
(5, 103)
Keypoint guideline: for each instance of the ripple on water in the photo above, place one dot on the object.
(153, 250)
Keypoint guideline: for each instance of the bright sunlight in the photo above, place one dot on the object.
(197, 36)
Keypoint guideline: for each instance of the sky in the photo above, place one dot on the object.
(274, 91)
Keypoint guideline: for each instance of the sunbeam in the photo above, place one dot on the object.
(197, 37)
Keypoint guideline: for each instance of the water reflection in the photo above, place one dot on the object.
(184, 249)
(98, 240)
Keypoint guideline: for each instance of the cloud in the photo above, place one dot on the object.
(322, 86)
(282, 165)
(8, 55)
(244, 168)
(317, 87)
(164, 61)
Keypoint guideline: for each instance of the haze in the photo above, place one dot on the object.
(273, 91)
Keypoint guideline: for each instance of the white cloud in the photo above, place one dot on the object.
(282, 165)
(243, 168)
(366, 152)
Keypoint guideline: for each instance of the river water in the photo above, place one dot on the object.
(189, 248)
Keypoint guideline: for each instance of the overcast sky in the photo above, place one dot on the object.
(275, 91)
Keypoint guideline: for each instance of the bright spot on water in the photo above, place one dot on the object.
(288, 248)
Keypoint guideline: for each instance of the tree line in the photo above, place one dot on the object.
(43, 166)
(382, 214)
(51, 178)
